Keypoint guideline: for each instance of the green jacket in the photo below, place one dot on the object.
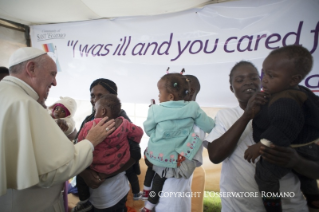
(170, 128)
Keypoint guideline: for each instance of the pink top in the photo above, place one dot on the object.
(112, 153)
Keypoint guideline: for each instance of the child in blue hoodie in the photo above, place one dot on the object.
(172, 143)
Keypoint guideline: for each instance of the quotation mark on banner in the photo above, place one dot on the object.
(152, 194)
(72, 43)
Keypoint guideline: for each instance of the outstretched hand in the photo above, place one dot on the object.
(100, 131)
(254, 103)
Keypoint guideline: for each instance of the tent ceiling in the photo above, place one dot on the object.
(35, 12)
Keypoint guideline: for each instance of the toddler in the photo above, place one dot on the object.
(172, 143)
(110, 155)
(290, 118)
(64, 109)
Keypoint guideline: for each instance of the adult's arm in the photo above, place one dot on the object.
(289, 158)
(82, 155)
(224, 146)
(82, 158)
(125, 167)
(94, 179)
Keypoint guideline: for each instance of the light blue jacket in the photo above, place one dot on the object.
(170, 128)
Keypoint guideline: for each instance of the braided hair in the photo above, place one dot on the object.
(176, 84)
(193, 82)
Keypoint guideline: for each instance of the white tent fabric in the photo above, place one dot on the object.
(136, 51)
(58, 11)
(10, 40)
(251, 18)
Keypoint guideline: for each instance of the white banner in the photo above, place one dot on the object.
(135, 52)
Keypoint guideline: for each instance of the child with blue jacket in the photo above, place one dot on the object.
(172, 144)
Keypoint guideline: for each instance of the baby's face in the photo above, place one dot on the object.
(59, 112)
(278, 71)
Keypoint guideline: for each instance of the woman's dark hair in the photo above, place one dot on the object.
(241, 63)
(176, 84)
(109, 85)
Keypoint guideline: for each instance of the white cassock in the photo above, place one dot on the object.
(35, 155)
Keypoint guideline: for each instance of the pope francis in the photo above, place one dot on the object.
(35, 155)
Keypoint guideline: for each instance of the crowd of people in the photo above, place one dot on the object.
(268, 143)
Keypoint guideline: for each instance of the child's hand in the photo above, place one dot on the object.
(62, 124)
(252, 152)
(254, 103)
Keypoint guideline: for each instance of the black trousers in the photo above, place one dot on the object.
(83, 189)
(149, 177)
(157, 186)
(133, 179)
(268, 174)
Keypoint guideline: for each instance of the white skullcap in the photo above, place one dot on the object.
(24, 54)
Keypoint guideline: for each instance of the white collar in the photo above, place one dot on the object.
(23, 85)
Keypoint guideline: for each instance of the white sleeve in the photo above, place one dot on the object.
(217, 131)
(34, 150)
(82, 158)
